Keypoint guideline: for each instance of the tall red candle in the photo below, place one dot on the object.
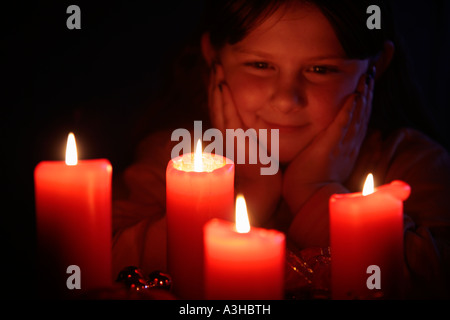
(243, 264)
(194, 195)
(367, 230)
(73, 217)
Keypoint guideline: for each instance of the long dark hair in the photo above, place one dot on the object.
(396, 102)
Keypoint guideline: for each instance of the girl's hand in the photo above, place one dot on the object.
(331, 156)
(262, 193)
(222, 112)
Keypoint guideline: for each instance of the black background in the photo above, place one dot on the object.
(98, 81)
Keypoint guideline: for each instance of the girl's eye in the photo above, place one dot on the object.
(322, 69)
(258, 65)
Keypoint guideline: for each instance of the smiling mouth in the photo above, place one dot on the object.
(285, 128)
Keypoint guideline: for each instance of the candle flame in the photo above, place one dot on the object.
(71, 151)
(198, 161)
(242, 222)
(368, 185)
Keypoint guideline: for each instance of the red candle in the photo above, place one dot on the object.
(367, 242)
(73, 217)
(241, 263)
(198, 188)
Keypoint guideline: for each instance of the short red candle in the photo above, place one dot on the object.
(192, 199)
(73, 217)
(242, 266)
(367, 230)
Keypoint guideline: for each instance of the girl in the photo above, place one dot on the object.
(338, 95)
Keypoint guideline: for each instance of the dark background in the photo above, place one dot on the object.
(98, 81)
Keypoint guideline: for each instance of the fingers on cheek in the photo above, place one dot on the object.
(358, 126)
(215, 105)
(220, 75)
(212, 81)
(231, 118)
(361, 84)
(225, 92)
(346, 115)
(370, 90)
(360, 112)
(366, 104)
(352, 125)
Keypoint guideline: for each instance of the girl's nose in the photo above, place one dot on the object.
(288, 97)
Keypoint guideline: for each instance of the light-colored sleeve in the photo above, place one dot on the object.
(409, 156)
(425, 166)
(310, 226)
(412, 157)
(139, 223)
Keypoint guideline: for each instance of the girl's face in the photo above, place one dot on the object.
(292, 74)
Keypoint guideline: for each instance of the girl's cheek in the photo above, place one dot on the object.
(328, 99)
(250, 93)
(325, 104)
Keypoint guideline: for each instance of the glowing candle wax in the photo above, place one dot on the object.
(243, 262)
(198, 187)
(367, 230)
(73, 217)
